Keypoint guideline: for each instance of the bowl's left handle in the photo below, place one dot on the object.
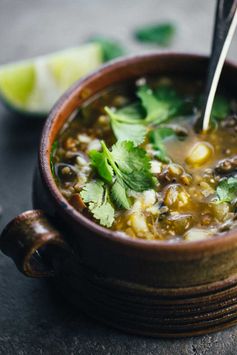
(29, 239)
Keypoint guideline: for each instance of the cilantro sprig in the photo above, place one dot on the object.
(157, 138)
(161, 33)
(132, 122)
(160, 105)
(96, 195)
(221, 108)
(127, 123)
(227, 189)
(124, 168)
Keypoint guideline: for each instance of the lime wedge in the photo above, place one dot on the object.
(32, 86)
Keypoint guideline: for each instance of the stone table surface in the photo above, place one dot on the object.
(33, 318)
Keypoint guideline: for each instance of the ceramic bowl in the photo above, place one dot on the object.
(145, 287)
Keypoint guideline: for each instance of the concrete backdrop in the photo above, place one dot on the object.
(33, 318)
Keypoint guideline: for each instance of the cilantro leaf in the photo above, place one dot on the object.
(128, 158)
(159, 105)
(161, 34)
(132, 113)
(100, 162)
(156, 137)
(124, 132)
(227, 189)
(95, 193)
(167, 94)
(130, 122)
(162, 133)
(123, 167)
(119, 196)
(110, 48)
(133, 166)
(104, 213)
(130, 165)
(126, 124)
(221, 108)
(151, 104)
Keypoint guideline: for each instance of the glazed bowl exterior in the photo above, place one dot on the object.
(145, 287)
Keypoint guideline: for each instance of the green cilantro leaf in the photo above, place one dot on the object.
(110, 48)
(124, 167)
(156, 137)
(132, 113)
(124, 132)
(161, 133)
(100, 162)
(160, 34)
(160, 105)
(227, 189)
(95, 193)
(119, 195)
(130, 122)
(133, 166)
(221, 108)
(130, 165)
(127, 124)
(104, 213)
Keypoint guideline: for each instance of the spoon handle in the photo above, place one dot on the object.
(225, 24)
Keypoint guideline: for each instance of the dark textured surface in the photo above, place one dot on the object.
(33, 318)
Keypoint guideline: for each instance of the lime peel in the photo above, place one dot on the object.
(33, 85)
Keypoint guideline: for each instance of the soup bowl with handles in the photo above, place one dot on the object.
(145, 287)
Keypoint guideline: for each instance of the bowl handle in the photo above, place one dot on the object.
(29, 239)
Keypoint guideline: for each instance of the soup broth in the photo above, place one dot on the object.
(132, 160)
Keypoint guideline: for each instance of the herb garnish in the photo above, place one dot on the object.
(160, 34)
(127, 123)
(132, 121)
(157, 137)
(221, 108)
(95, 193)
(110, 48)
(123, 168)
(227, 189)
(160, 105)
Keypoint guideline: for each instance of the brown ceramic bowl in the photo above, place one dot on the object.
(144, 287)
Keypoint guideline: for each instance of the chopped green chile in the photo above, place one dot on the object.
(131, 160)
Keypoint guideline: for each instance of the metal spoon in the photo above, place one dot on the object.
(225, 25)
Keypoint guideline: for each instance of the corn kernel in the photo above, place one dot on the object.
(200, 153)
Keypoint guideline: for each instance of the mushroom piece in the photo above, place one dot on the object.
(65, 171)
(226, 166)
(77, 202)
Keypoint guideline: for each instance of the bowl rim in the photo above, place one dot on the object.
(213, 245)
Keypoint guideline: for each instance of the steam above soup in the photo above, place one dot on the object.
(131, 160)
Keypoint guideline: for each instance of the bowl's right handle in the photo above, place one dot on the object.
(28, 238)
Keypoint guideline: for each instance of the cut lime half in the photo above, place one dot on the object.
(32, 86)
